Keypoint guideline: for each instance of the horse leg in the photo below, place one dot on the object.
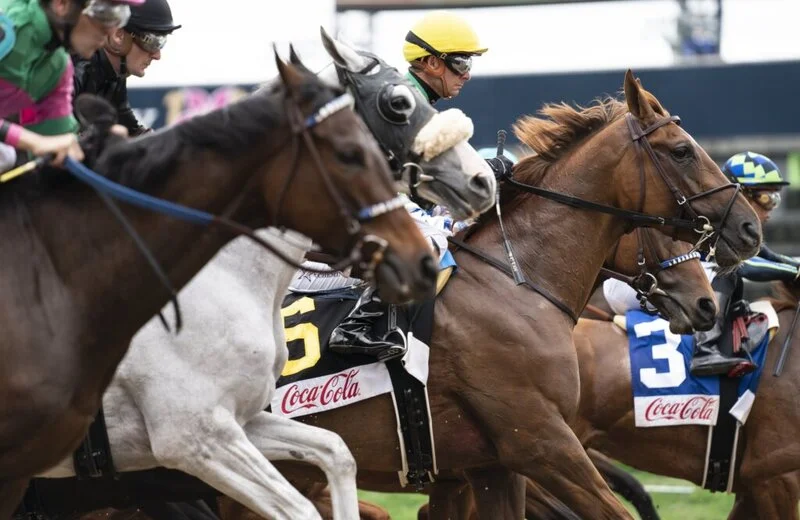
(215, 449)
(541, 505)
(11, 493)
(498, 493)
(626, 485)
(550, 453)
(280, 438)
(448, 500)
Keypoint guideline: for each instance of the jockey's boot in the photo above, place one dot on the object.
(355, 334)
(707, 360)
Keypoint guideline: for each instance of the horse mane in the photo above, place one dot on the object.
(557, 130)
(560, 127)
(232, 131)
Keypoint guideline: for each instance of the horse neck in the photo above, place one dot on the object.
(559, 247)
(264, 274)
(91, 278)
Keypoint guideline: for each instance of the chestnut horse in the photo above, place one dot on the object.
(75, 289)
(766, 484)
(498, 348)
(685, 297)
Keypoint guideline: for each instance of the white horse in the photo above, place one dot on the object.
(195, 402)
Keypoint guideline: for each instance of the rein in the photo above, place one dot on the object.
(645, 283)
(376, 246)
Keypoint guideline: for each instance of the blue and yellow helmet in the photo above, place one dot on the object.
(753, 170)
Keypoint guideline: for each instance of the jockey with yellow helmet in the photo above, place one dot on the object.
(439, 49)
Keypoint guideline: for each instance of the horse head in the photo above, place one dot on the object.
(669, 274)
(691, 184)
(427, 149)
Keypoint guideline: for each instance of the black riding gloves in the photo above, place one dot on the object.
(501, 166)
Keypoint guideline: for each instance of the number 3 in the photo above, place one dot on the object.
(307, 332)
(676, 371)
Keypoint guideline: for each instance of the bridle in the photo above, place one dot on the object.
(645, 283)
(698, 223)
(366, 251)
(402, 167)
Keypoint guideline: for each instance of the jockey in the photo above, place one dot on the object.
(129, 51)
(761, 182)
(439, 49)
(36, 72)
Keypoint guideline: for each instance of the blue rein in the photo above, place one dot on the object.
(136, 198)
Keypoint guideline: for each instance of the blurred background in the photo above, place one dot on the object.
(729, 68)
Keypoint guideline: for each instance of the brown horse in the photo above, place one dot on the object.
(75, 289)
(498, 348)
(685, 297)
(766, 484)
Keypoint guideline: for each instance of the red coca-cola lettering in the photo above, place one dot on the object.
(336, 389)
(696, 408)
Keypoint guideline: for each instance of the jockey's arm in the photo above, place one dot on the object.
(435, 228)
(758, 269)
(768, 254)
(620, 296)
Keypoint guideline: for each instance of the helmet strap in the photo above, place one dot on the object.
(436, 68)
(121, 51)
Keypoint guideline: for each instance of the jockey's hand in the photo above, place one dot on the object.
(501, 166)
(63, 146)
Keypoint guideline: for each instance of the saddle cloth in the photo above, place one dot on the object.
(315, 379)
(665, 393)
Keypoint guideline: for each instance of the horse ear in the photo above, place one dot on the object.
(343, 55)
(289, 75)
(636, 97)
(294, 59)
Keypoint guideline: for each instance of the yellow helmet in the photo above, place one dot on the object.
(444, 32)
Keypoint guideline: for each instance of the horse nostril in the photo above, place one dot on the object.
(752, 231)
(481, 185)
(707, 308)
(429, 269)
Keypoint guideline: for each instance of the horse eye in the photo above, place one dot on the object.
(352, 157)
(681, 153)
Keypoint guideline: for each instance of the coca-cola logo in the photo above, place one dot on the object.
(336, 389)
(698, 408)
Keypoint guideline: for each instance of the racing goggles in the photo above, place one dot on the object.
(150, 42)
(108, 14)
(768, 200)
(459, 63)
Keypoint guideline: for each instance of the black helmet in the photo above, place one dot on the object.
(152, 16)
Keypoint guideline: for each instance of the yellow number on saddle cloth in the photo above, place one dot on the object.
(307, 332)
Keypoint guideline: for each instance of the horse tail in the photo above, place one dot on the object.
(622, 482)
